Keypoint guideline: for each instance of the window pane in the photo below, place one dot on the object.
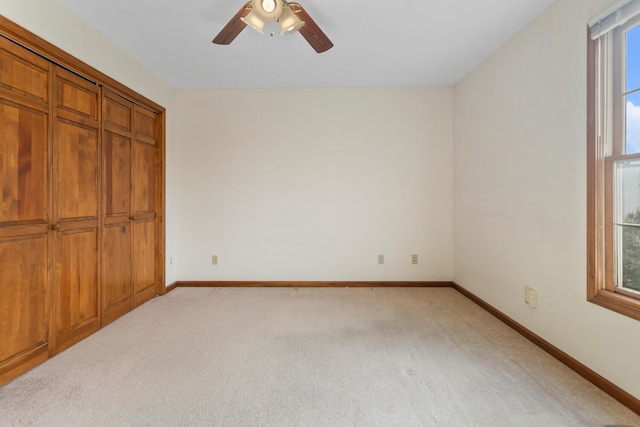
(628, 192)
(633, 59)
(627, 195)
(630, 258)
(633, 123)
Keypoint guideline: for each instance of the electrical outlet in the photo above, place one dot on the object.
(170, 260)
(214, 259)
(531, 297)
(380, 259)
(414, 259)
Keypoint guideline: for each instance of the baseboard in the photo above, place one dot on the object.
(305, 284)
(596, 379)
(170, 287)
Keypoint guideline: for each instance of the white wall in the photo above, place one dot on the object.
(520, 191)
(56, 24)
(313, 184)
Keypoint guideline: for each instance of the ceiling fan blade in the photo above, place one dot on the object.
(233, 27)
(310, 30)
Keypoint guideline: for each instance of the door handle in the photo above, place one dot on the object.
(55, 227)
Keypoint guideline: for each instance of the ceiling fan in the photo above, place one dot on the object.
(290, 15)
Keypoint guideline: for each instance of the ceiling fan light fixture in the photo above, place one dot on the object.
(290, 15)
(254, 21)
(289, 21)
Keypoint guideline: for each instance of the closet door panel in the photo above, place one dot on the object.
(145, 173)
(118, 113)
(145, 277)
(22, 294)
(24, 308)
(116, 267)
(23, 73)
(76, 172)
(23, 164)
(77, 304)
(77, 99)
(146, 126)
(117, 170)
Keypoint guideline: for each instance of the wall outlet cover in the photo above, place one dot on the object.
(531, 297)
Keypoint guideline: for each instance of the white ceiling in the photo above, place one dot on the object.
(378, 43)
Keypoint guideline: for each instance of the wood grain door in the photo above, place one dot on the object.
(24, 210)
(145, 205)
(75, 208)
(117, 285)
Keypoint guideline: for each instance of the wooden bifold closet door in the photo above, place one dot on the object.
(117, 290)
(24, 209)
(81, 202)
(145, 205)
(76, 189)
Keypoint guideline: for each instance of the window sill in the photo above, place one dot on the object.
(617, 302)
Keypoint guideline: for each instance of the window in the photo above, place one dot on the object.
(613, 216)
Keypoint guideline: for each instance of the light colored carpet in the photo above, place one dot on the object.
(307, 357)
